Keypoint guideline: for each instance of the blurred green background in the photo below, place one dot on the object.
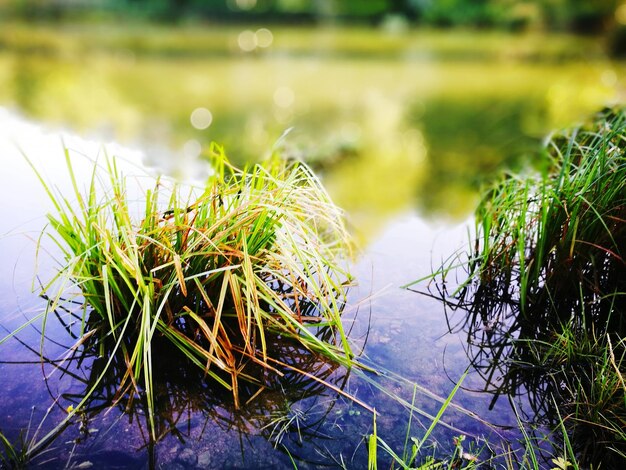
(400, 104)
(578, 15)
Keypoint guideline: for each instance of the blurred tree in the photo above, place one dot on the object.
(577, 15)
(459, 12)
(407, 8)
(296, 6)
(371, 8)
(585, 16)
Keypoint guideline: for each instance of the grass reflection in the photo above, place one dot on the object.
(288, 415)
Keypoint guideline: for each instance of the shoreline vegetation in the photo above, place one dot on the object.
(543, 302)
(154, 40)
(571, 15)
(244, 281)
(230, 291)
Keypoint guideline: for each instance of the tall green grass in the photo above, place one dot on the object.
(561, 237)
(545, 295)
(211, 276)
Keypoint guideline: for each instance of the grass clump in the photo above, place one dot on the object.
(213, 276)
(546, 292)
(561, 238)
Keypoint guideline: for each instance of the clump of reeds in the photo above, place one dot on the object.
(213, 276)
(546, 291)
(560, 238)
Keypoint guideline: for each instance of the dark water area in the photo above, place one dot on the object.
(400, 333)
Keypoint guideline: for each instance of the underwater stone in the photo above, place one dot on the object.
(204, 459)
(187, 457)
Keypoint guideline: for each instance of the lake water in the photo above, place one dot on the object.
(403, 128)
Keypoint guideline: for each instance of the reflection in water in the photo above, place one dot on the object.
(391, 121)
(559, 354)
(28, 75)
(544, 294)
(110, 424)
(287, 411)
(498, 129)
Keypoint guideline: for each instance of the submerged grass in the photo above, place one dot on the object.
(211, 276)
(546, 291)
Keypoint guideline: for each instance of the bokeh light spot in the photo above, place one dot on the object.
(247, 41)
(264, 37)
(284, 97)
(201, 118)
(245, 4)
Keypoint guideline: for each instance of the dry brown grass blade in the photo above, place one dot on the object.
(179, 273)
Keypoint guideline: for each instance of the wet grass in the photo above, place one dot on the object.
(463, 451)
(213, 277)
(11, 456)
(18, 453)
(545, 296)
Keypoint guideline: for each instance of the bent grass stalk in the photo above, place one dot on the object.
(211, 271)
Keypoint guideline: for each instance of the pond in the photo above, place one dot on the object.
(404, 128)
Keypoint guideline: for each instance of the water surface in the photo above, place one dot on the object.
(403, 128)
(399, 332)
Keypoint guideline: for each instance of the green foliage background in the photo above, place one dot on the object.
(578, 15)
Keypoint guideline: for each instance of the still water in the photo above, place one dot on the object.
(400, 333)
(403, 126)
